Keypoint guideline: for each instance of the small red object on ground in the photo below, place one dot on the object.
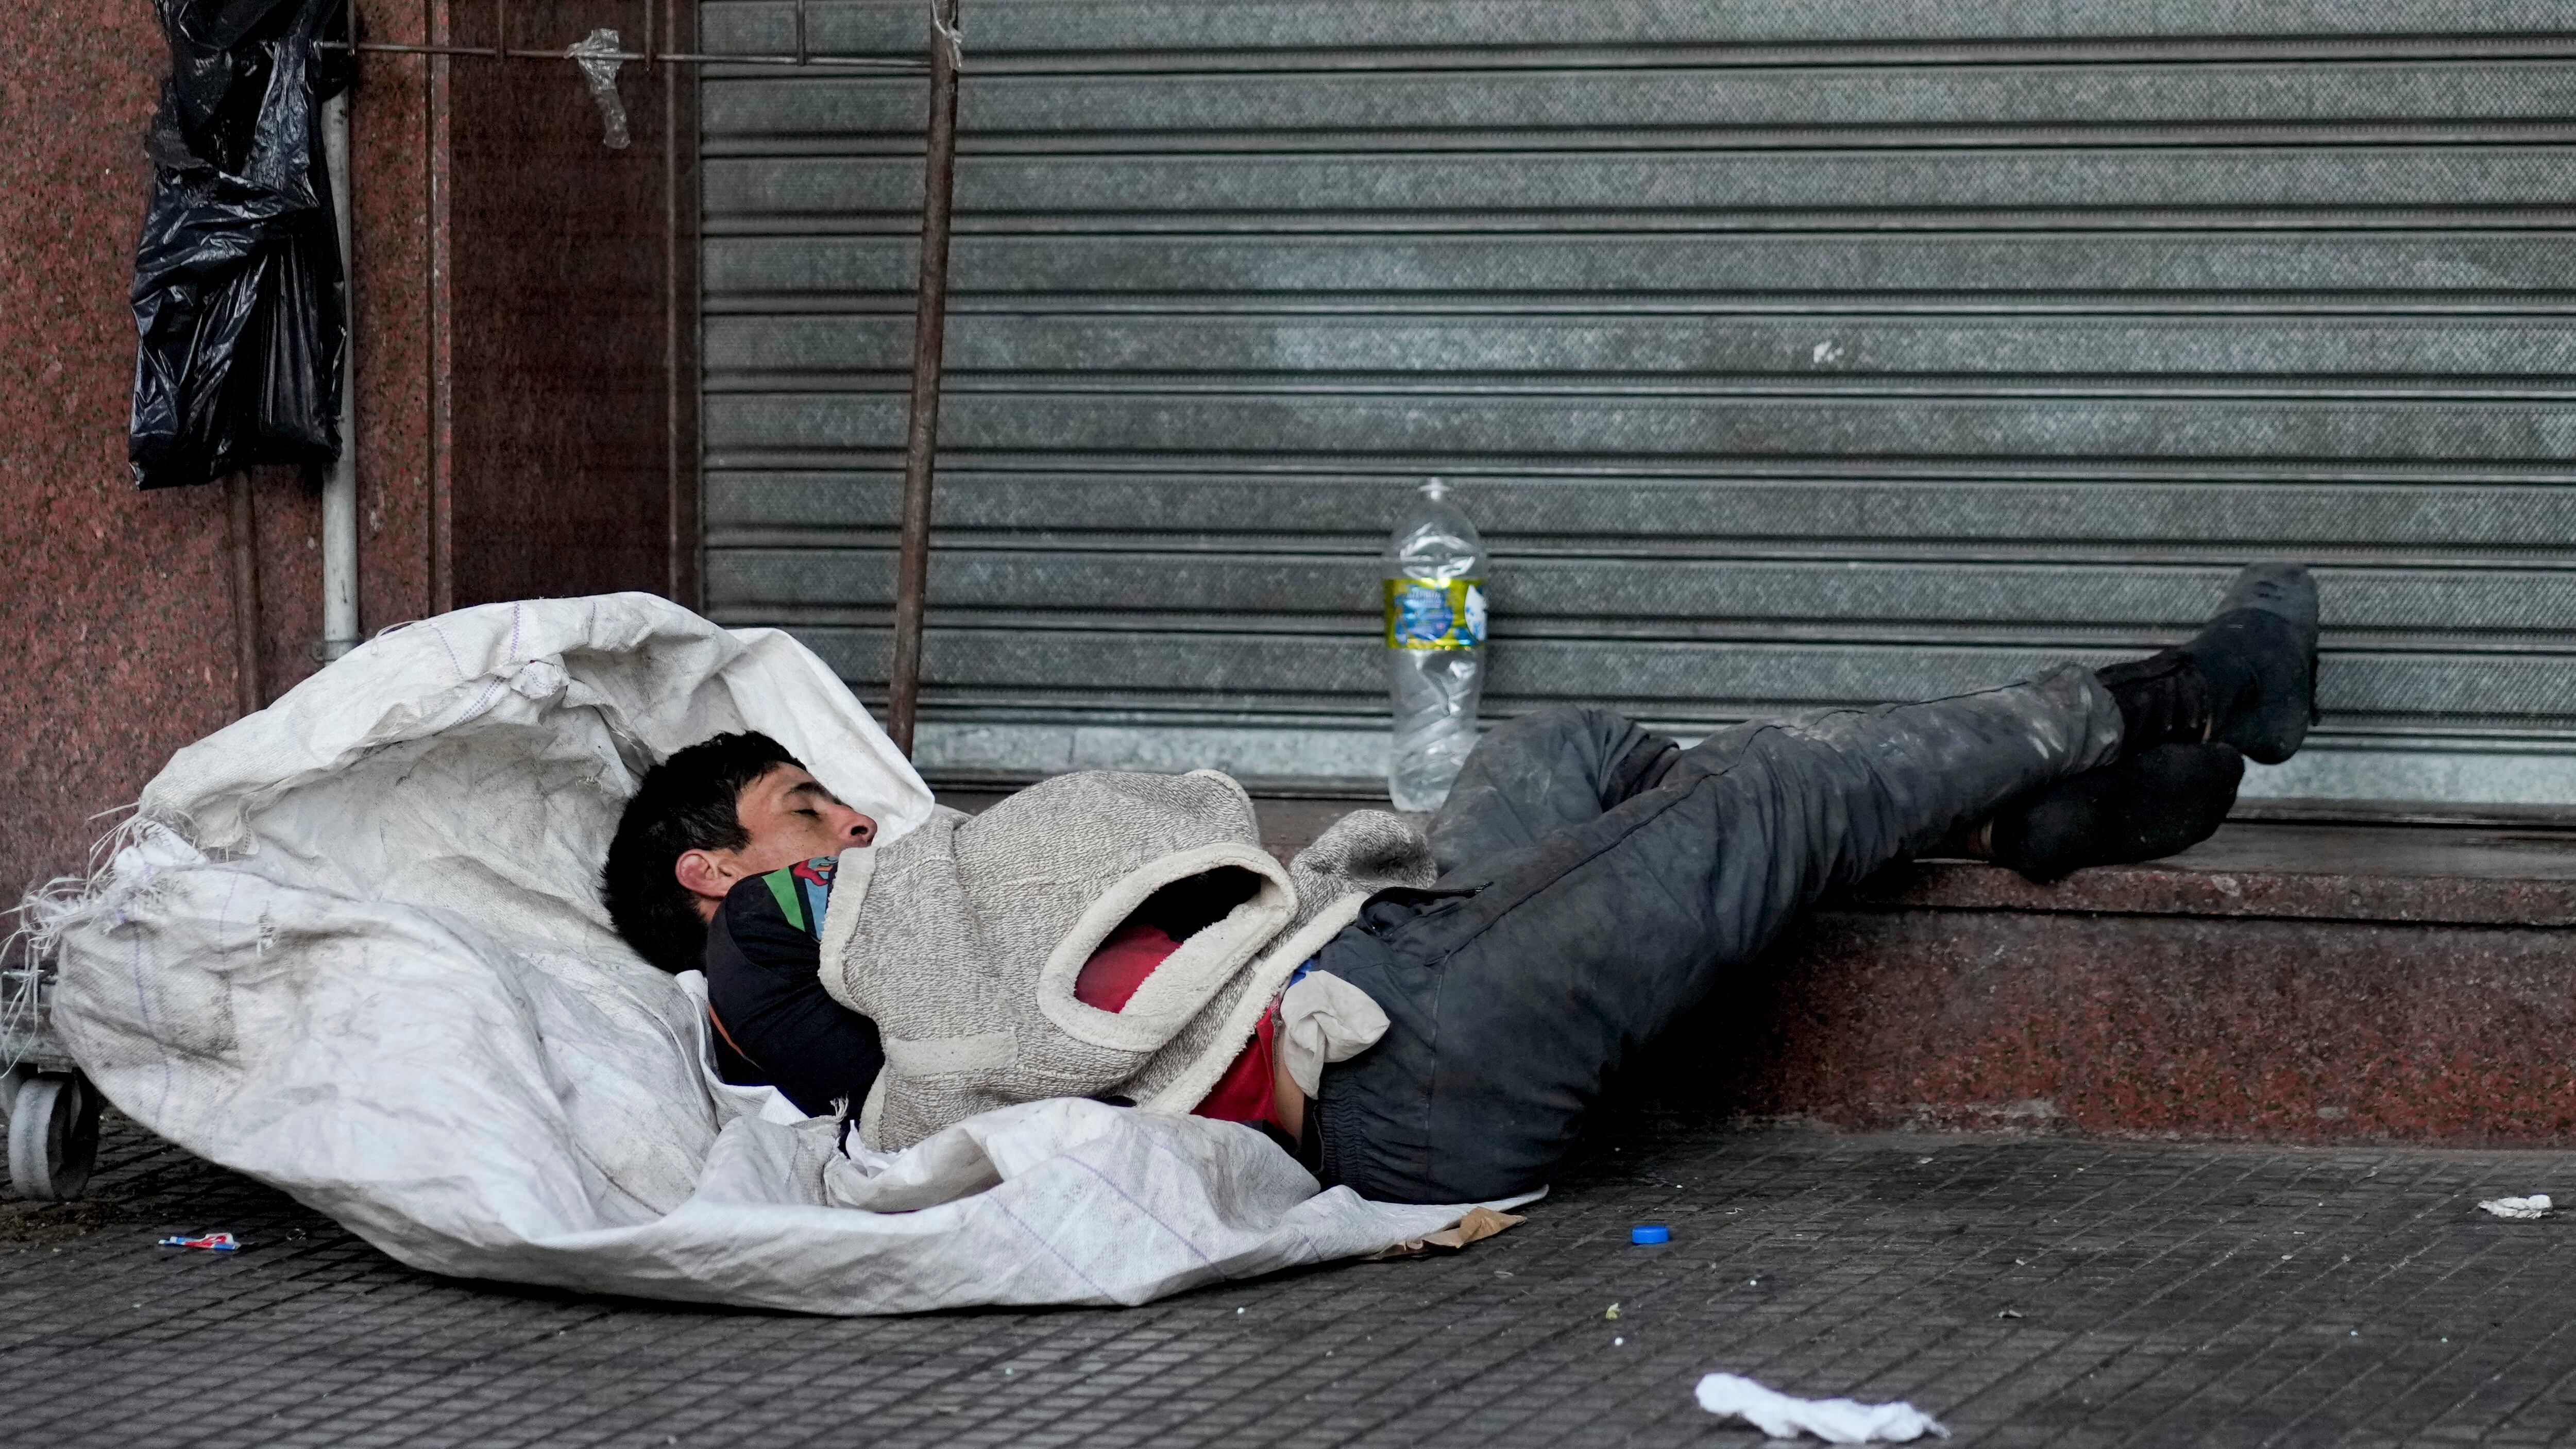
(211, 1242)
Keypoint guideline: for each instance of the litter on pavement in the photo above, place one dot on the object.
(1478, 1224)
(1836, 1421)
(2534, 1206)
(211, 1242)
(1643, 1236)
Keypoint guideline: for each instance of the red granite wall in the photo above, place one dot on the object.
(114, 620)
(394, 143)
(560, 258)
(475, 239)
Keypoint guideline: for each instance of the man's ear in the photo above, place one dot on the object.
(706, 875)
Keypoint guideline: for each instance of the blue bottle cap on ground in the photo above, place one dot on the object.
(1650, 1235)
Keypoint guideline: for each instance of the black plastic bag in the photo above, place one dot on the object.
(239, 298)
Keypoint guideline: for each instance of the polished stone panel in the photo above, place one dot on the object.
(516, 424)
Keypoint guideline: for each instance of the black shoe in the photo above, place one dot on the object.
(2146, 807)
(2248, 678)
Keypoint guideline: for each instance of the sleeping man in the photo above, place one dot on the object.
(1424, 1016)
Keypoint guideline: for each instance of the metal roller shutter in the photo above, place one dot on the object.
(1790, 353)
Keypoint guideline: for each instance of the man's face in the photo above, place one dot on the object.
(790, 817)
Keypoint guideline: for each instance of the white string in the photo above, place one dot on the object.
(954, 35)
(28, 952)
(23, 990)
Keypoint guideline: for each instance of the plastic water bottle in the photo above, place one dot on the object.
(1435, 645)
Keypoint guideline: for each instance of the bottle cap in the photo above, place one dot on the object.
(1644, 1235)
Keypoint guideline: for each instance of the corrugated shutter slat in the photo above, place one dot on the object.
(1791, 354)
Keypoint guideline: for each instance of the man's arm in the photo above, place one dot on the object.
(762, 959)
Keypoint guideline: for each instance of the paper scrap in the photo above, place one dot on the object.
(211, 1242)
(1478, 1224)
(2534, 1206)
(1836, 1421)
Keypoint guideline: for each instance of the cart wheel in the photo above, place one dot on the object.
(53, 1137)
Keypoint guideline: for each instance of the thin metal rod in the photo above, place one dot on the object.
(842, 62)
(929, 339)
(681, 563)
(340, 486)
(242, 542)
(671, 57)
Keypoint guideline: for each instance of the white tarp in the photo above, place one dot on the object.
(352, 947)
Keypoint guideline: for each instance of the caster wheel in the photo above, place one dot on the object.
(53, 1137)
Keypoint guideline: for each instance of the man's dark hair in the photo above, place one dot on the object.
(687, 802)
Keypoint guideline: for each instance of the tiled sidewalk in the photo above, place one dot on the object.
(2027, 1291)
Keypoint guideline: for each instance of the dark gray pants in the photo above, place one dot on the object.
(1596, 879)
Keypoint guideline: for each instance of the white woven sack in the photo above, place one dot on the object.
(351, 946)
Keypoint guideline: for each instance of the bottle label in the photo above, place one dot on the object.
(1435, 613)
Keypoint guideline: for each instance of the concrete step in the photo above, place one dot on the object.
(2313, 974)
(2285, 981)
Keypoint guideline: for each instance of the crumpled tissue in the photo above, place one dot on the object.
(1836, 1421)
(2534, 1206)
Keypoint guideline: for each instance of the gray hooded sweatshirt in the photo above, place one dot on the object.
(962, 941)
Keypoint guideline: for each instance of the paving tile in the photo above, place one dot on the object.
(2030, 1291)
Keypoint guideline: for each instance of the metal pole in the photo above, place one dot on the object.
(929, 337)
(340, 488)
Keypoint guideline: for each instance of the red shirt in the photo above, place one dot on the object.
(1121, 965)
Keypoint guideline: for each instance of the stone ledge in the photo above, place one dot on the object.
(2195, 1027)
(2452, 875)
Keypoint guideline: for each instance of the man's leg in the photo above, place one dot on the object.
(1544, 772)
(1526, 977)
(2148, 806)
